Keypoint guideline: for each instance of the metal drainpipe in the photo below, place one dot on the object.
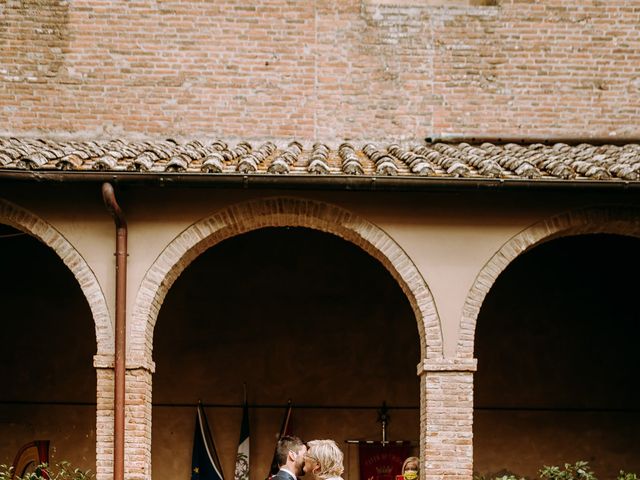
(110, 202)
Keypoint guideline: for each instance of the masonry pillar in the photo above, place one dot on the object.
(137, 450)
(447, 418)
(104, 416)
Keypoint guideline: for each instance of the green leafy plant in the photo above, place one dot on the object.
(5, 472)
(577, 471)
(502, 475)
(627, 476)
(60, 471)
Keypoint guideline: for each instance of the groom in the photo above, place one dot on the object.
(290, 457)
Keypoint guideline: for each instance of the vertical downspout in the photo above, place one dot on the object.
(110, 202)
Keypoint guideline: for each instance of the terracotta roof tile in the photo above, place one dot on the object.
(445, 160)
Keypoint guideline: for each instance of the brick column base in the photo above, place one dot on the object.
(104, 420)
(447, 419)
(137, 449)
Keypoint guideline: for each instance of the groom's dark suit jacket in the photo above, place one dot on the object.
(282, 475)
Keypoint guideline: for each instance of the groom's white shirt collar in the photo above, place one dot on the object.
(288, 471)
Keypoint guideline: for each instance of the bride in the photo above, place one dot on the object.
(323, 460)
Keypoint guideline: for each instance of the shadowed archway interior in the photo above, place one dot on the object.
(296, 314)
(557, 359)
(46, 372)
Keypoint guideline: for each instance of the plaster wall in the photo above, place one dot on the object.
(448, 236)
(70, 430)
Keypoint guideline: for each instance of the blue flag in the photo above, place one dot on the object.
(205, 464)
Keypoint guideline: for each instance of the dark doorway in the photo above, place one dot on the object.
(46, 361)
(556, 344)
(296, 314)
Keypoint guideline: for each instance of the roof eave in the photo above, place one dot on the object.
(312, 182)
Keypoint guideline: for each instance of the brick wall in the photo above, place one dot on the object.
(328, 69)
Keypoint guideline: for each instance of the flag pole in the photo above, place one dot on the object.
(205, 463)
(243, 454)
(284, 430)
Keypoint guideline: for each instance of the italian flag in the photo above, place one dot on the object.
(242, 458)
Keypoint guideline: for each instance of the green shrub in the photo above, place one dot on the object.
(60, 471)
(577, 471)
(501, 475)
(5, 472)
(627, 476)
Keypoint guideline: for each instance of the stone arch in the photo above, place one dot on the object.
(281, 212)
(612, 220)
(25, 221)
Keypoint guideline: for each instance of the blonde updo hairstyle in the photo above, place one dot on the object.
(328, 456)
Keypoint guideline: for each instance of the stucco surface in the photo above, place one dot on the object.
(448, 236)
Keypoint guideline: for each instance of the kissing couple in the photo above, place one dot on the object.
(316, 460)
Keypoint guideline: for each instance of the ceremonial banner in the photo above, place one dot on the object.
(205, 464)
(382, 462)
(242, 458)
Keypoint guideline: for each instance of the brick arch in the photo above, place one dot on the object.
(612, 220)
(281, 212)
(25, 221)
